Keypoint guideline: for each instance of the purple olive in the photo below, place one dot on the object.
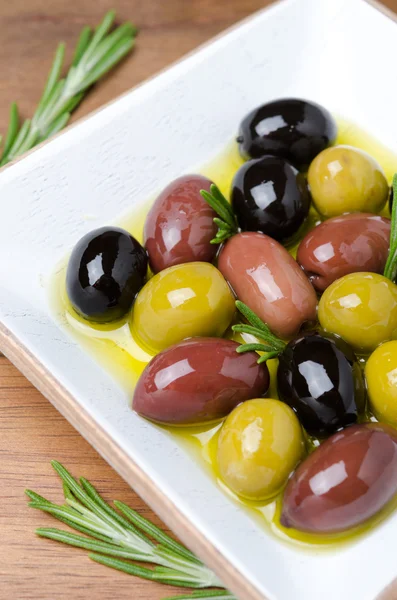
(180, 226)
(345, 482)
(198, 380)
(343, 245)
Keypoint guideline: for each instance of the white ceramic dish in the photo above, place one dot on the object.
(335, 52)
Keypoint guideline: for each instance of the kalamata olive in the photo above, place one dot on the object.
(346, 481)
(179, 226)
(271, 196)
(264, 276)
(199, 380)
(322, 381)
(344, 179)
(361, 308)
(106, 270)
(342, 245)
(381, 376)
(259, 445)
(294, 129)
(183, 301)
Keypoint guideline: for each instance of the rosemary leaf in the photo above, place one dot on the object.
(82, 45)
(253, 348)
(52, 77)
(267, 356)
(37, 498)
(82, 542)
(154, 532)
(13, 128)
(177, 579)
(243, 328)
(251, 317)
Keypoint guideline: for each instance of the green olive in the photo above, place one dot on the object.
(362, 309)
(381, 375)
(186, 300)
(344, 179)
(259, 446)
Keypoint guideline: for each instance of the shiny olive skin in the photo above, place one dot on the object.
(106, 270)
(179, 226)
(381, 376)
(187, 300)
(259, 445)
(362, 309)
(198, 380)
(294, 129)
(344, 179)
(264, 276)
(344, 482)
(342, 245)
(321, 380)
(271, 196)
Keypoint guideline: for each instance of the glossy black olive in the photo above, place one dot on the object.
(296, 130)
(271, 196)
(321, 380)
(106, 270)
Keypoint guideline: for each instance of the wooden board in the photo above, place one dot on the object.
(31, 431)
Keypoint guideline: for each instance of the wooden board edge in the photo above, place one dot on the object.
(68, 406)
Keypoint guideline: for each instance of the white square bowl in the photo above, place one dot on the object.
(335, 52)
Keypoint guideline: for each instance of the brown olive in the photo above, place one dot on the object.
(346, 481)
(199, 380)
(342, 245)
(180, 226)
(266, 278)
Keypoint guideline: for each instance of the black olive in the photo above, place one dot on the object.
(106, 270)
(296, 130)
(321, 380)
(269, 195)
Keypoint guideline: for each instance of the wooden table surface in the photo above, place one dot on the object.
(31, 430)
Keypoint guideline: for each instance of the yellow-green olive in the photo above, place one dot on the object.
(381, 375)
(362, 309)
(344, 179)
(259, 445)
(186, 300)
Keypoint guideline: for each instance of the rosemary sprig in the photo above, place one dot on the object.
(272, 347)
(391, 265)
(117, 539)
(206, 595)
(227, 223)
(96, 53)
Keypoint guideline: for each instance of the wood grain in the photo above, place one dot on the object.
(32, 432)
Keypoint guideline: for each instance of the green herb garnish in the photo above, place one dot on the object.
(272, 347)
(226, 223)
(391, 265)
(96, 53)
(118, 538)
